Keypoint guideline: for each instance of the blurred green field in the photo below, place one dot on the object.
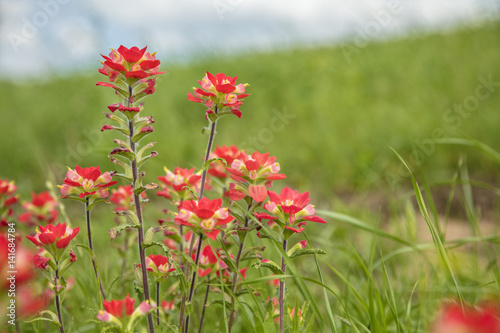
(329, 121)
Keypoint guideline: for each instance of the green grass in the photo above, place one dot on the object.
(387, 268)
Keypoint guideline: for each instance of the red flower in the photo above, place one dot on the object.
(208, 261)
(290, 210)
(229, 154)
(205, 216)
(59, 235)
(175, 184)
(132, 67)
(117, 307)
(40, 262)
(159, 266)
(123, 197)
(483, 319)
(41, 209)
(7, 199)
(114, 310)
(220, 91)
(23, 266)
(253, 174)
(86, 182)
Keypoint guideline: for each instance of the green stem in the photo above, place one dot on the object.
(235, 274)
(138, 210)
(58, 304)
(102, 295)
(200, 196)
(204, 304)
(282, 290)
(158, 303)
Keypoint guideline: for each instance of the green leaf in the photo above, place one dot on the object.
(206, 165)
(124, 177)
(270, 265)
(148, 236)
(54, 320)
(131, 215)
(114, 232)
(301, 252)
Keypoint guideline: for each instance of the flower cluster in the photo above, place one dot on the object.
(86, 182)
(8, 197)
(130, 68)
(41, 209)
(176, 185)
(229, 154)
(159, 266)
(204, 215)
(291, 210)
(220, 94)
(482, 319)
(123, 197)
(122, 313)
(253, 174)
(54, 238)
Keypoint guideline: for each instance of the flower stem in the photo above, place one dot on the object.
(138, 210)
(235, 274)
(282, 290)
(102, 295)
(158, 303)
(204, 304)
(200, 196)
(193, 279)
(58, 304)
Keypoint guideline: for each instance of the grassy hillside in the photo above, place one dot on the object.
(329, 121)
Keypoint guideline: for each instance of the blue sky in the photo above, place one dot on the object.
(40, 36)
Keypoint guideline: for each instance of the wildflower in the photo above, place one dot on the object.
(291, 210)
(54, 238)
(7, 199)
(86, 182)
(130, 68)
(229, 154)
(253, 174)
(220, 91)
(205, 216)
(122, 313)
(176, 185)
(208, 261)
(452, 318)
(41, 209)
(159, 266)
(123, 197)
(166, 306)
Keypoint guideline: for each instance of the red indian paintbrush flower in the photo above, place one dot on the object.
(86, 182)
(123, 197)
(59, 235)
(220, 91)
(253, 174)
(482, 319)
(176, 184)
(205, 216)
(122, 313)
(130, 68)
(7, 199)
(291, 210)
(229, 154)
(41, 209)
(208, 261)
(159, 266)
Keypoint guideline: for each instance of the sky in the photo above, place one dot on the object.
(39, 37)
